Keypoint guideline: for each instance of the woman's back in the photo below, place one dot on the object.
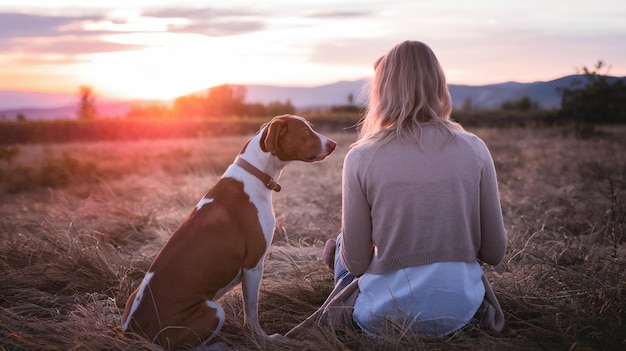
(424, 200)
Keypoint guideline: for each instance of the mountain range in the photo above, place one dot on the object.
(37, 105)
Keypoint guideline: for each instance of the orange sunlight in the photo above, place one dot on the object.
(157, 73)
(152, 73)
(172, 65)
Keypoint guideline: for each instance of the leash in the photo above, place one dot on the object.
(269, 182)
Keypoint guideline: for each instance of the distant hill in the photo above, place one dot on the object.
(15, 100)
(547, 94)
(38, 105)
(34, 105)
(105, 109)
(307, 98)
(483, 96)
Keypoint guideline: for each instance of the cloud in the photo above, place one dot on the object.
(59, 50)
(197, 13)
(210, 21)
(76, 46)
(21, 25)
(339, 14)
(31, 38)
(27, 34)
(219, 29)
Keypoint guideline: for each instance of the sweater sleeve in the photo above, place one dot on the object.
(357, 247)
(493, 235)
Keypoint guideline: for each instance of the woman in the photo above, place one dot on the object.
(420, 209)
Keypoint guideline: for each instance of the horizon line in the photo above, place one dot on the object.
(113, 97)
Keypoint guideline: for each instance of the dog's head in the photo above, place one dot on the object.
(291, 138)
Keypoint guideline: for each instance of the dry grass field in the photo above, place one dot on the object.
(80, 223)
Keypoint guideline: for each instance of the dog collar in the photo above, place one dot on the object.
(269, 182)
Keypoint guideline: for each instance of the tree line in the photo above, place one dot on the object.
(220, 101)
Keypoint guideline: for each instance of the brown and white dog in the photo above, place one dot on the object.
(222, 242)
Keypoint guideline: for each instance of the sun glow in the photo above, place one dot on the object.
(159, 71)
(165, 65)
(144, 74)
(173, 65)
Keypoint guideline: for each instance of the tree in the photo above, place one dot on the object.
(226, 100)
(522, 104)
(468, 104)
(597, 99)
(87, 103)
(189, 106)
(276, 108)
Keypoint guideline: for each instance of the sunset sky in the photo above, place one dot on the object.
(163, 49)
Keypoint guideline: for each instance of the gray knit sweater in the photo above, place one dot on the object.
(406, 205)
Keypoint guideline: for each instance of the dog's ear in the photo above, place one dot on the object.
(276, 128)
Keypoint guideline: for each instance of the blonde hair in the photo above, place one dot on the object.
(408, 89)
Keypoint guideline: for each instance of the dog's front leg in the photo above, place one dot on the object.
(250, 284)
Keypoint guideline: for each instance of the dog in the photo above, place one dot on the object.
(221, 243)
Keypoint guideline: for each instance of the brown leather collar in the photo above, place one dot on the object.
(269, 182)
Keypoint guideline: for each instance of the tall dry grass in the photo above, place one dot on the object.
(72, 251)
